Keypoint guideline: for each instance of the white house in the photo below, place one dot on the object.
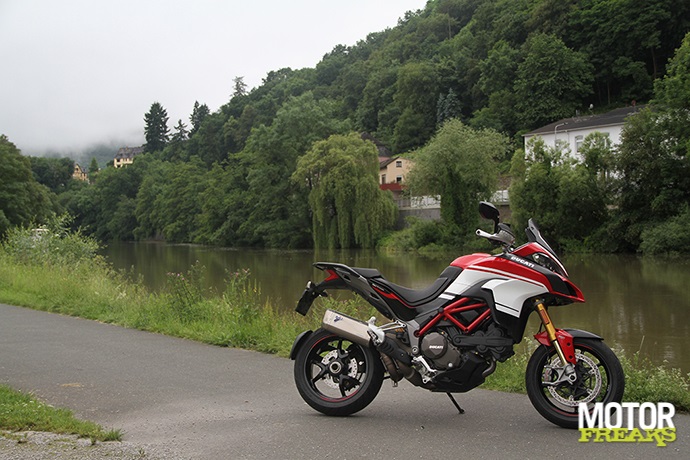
(569, 133)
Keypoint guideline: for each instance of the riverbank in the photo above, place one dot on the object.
(62, 274)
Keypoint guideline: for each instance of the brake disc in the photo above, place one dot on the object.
(591, 370)
(329, 378)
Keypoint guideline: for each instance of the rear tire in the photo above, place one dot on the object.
(600, 379)
(336, 376)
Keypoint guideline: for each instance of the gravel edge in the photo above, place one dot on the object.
(36, 445)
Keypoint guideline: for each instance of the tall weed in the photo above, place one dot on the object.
(187, 294)
(52, 244)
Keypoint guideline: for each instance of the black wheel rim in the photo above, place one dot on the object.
(336, 369)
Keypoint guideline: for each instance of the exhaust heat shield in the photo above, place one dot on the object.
(347, 327)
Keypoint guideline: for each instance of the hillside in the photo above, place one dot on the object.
(229, 178)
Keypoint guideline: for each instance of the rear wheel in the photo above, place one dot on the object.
(336, 376)
(599, 379)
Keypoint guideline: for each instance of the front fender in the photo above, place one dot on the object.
(583, 334)
(297, 344)
(574, 333)
(565, 340)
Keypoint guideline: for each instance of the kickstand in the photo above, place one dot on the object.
(455, 403)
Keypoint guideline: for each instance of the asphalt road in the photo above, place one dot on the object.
(206, 402)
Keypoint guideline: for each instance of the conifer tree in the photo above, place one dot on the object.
(156, 130)
(199, 113)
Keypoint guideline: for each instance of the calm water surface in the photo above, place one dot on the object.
(637, 303)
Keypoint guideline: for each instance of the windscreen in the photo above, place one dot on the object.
(534, 235)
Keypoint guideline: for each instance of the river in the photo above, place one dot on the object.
(633, 302)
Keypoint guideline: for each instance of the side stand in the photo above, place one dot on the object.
(455, 403)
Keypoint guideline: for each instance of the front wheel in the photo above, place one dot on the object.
(599, 379)
(336, 376)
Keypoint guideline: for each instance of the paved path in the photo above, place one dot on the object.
(207, 402)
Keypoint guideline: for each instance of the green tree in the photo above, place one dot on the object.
(225, 205)
(460, 165)
(209, 143)
(566, 198)
(168, 201)
(377, 96)
(239, 87)
(416, 97)
(179, 203)
(457, 68)
(551, 16)
(348, 208)
(672, 95)
(23, 201)
(150, 217)
(176, 148)
(237, 130)
(199, 114)
(499, 69)
(54, 173)
(156, 129)
(280, 213)
(654, 175)
(598, 157)
(552, 81)
(332, 64)
(626, 41)
(653, 160)
(498, 74)
(180, 134)
(93, 168)
(448, 107)
(106, 209)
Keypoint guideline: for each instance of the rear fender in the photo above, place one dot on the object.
(299, 341)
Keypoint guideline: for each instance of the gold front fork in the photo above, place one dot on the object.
(550, 331)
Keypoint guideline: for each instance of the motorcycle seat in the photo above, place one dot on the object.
(411, 297)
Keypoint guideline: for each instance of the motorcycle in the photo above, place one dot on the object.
(449, 336)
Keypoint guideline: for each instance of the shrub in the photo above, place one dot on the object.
(668, 237)
(418, 234)
(50, 244)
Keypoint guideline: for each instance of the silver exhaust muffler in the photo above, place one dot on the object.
(347, 327)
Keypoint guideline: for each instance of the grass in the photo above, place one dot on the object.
(22, 412)
(74, 281)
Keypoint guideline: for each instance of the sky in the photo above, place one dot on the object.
(75, 73)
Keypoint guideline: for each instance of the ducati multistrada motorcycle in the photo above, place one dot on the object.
(449, 336)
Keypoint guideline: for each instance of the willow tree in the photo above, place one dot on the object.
(348, 208)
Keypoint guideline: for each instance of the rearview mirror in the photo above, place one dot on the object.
(489, 211)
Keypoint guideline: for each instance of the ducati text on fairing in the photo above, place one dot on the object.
(450, 336)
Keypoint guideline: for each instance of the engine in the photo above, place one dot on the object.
(440, 351)
(448, 349)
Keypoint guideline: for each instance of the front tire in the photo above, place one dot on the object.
(336, 376)
(599, 379)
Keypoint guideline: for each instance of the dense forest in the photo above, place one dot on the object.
(454, 86)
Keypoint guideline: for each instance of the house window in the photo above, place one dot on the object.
(561, 145)
(398, 164)
(398, 179)
(578, 143)
(383, 178)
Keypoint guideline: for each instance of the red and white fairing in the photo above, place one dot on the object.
(512, 278)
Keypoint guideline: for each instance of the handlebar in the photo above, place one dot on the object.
(503, 236)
